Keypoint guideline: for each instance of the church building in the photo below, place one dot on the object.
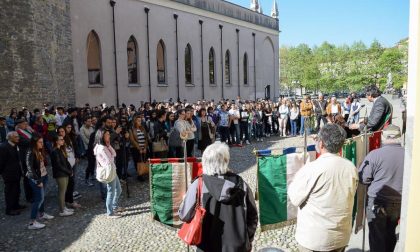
(127, 51)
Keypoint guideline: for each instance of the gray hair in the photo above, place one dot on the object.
(10, 134)
(385, 140)
(333, 136)
(215, 159)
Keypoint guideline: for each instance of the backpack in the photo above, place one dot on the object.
(174, 138)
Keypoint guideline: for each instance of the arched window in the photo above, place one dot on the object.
(132, 60)
(160, 57)
(211, 66)
(93, 49)
(227, 67)
(188, 64)
(245, 69)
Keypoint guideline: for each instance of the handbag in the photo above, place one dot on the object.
(191, 232)
(142, 166)
(160, 146)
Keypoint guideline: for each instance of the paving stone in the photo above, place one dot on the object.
(89, 229)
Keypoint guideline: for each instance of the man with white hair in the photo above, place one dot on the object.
(11, 171)
(323, 191)
(231, 214)
(383, 171)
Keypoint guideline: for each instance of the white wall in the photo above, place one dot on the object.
(131, 20)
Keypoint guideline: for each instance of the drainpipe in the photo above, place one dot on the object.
(202, 59)
(148, 52)
(239, 76)
(112, 3)
(221, 58)
(255, 72)
(177, 55)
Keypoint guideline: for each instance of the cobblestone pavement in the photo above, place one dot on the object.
(90, 230)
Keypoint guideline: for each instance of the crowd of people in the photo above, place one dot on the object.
(108, 137)
(153, 130)
(323, 191)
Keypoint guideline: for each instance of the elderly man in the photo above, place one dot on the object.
(320, 107)
(25, 135)
(381, 113)
(383, 170)
(11, 171)
(324, 192)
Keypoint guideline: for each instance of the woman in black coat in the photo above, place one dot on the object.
(37, 175)
(231, 215)
(61, 172)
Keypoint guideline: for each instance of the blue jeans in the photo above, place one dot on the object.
(303, 127)
(293, 126)
(112, 196)
(38, 194)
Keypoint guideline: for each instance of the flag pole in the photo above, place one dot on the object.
(364, 193)
(305, 139)
(185, 163)
(256, 181)
(184, 141)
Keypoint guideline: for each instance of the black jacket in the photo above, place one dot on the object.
(10, 165)
(60, 166)
(34, 167)
(320, 107)
(159, 131)
(231, 214)
(381, 108)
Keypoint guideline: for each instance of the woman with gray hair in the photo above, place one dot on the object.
(231, 214)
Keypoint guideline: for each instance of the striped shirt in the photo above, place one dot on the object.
(141, 140)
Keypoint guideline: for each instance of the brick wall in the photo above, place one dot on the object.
(35, 54)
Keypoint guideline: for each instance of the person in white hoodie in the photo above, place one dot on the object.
(284, 112)
(106, 172)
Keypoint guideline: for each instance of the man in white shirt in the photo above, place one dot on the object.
(235, 131)
(323, 191)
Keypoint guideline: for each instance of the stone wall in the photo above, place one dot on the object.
(36, 54)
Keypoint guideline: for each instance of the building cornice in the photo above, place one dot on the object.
(222, 11)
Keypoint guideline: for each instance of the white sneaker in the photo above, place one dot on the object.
(68, 209)
(114, 216)
(35, 225)
(46, 216)
(247, 142)
(65, 213)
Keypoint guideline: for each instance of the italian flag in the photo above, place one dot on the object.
(168, 187)
(275, 173)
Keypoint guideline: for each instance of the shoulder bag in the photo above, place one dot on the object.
(191, 232)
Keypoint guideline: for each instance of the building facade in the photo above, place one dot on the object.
(171, 49)
(126, 51)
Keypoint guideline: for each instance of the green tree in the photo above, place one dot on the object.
(392, 61)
